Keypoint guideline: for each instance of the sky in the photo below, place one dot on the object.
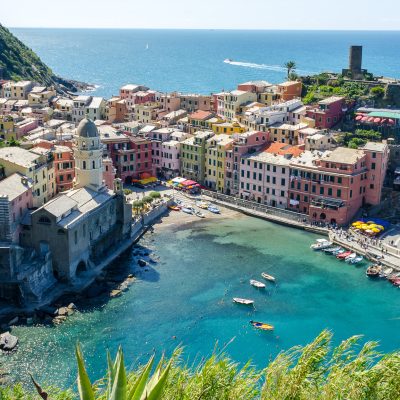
(204, 14)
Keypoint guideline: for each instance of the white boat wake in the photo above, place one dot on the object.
(275, 68)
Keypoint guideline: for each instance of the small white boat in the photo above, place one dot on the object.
(257, 284)
(386, 272)
(321, 244)
(199, 214)
(357, 260)
(246, 302)
(352, 256)
(268, 277)
(187, 210)
(228, 60)
(213, 209)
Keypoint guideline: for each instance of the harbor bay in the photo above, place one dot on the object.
(185, 298)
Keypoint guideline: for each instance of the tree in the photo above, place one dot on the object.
(290, 66)
(147, 199)
(378, 92)
(155, 195)
(137, 206)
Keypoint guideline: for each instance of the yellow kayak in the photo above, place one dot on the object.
(262, 326)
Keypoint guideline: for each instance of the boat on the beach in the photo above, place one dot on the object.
(174, 208)
(187, 210)
(199, 214)
(373, 271)
(268, 277)
(321, 244)
(351, 257)
(257, 284)
(343, 255)
(213, 209)
(246, 302)
(202, 204)
(262, 326)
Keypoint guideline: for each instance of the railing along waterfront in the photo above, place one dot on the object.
(252, 205)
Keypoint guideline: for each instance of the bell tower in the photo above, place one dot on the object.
(88, 155)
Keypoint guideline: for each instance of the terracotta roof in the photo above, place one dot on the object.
(283, 148)
(201, 115)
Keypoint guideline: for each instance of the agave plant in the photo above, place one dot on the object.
(119, 384)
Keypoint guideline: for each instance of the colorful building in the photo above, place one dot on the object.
(290, 90)
(329, 112)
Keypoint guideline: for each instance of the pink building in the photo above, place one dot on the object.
(108, 172)
(15, 199)
(332, 186)
(64, 167)
(243, 143)
(330, 112)
(170, 161)
(157, 137)
(23, 127)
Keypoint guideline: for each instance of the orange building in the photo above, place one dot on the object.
(290, 90)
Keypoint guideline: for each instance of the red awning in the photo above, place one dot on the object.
(359, 117)
(188, 183)
(377, 120)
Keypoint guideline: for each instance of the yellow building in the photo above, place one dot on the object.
(146, 112)
(36, 167)
(40, 95)
(228, 128)
(236, 99)
(17, 90)
(6, 127)
(215, 161)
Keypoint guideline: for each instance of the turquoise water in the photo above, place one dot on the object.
(192, 60)
(188, 294)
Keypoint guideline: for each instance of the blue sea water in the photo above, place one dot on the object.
(193, 60)
(188, 294)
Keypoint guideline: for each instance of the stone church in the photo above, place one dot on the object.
(80, 227)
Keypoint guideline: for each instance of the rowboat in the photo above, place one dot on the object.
(343, 255)
(213, 209)
(373, 271)
(331, 250)
(262, 326)
(352, 256)
(174, 208)
(246, 302)
(199, 214)
(202, 205)
(321, 244)
(187, 210)
(257, 284)
(268, 277)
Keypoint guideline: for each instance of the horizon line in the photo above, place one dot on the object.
(210, 29)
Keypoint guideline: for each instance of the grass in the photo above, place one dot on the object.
(316, 371)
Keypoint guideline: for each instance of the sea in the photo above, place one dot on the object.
(185, 298)
(192, 61)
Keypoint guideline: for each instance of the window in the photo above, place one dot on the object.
(373, 165)
(339, 180)
(84, 164)
(339, 193)
(44, 220)
(329, 191)
(321, 190)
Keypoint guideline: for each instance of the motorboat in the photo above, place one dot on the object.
(228, 60)
(356, 260)
(246, 302)
(340, 251)
(344, 255)
(373, 271)
(352, 256)
(321, 244)
(257, 284)
(262, 326)
(386, 272)
(268, 277)
(331, 250)
(213, 209)
(187, 210)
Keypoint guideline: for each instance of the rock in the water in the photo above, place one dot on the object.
(71, 306)
(59, 320)
(63, 311)
(142, 263)
(116, 293)
(8, 342)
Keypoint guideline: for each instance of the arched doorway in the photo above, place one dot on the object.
(333, 221)
(81, 267)
(322, 216)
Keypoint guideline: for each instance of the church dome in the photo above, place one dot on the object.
(87, 129)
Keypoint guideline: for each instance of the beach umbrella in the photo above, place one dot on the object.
(382, 228)
(391, 121)
(377, 120)
(359, 117)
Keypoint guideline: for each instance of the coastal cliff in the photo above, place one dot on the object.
(19, 62)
